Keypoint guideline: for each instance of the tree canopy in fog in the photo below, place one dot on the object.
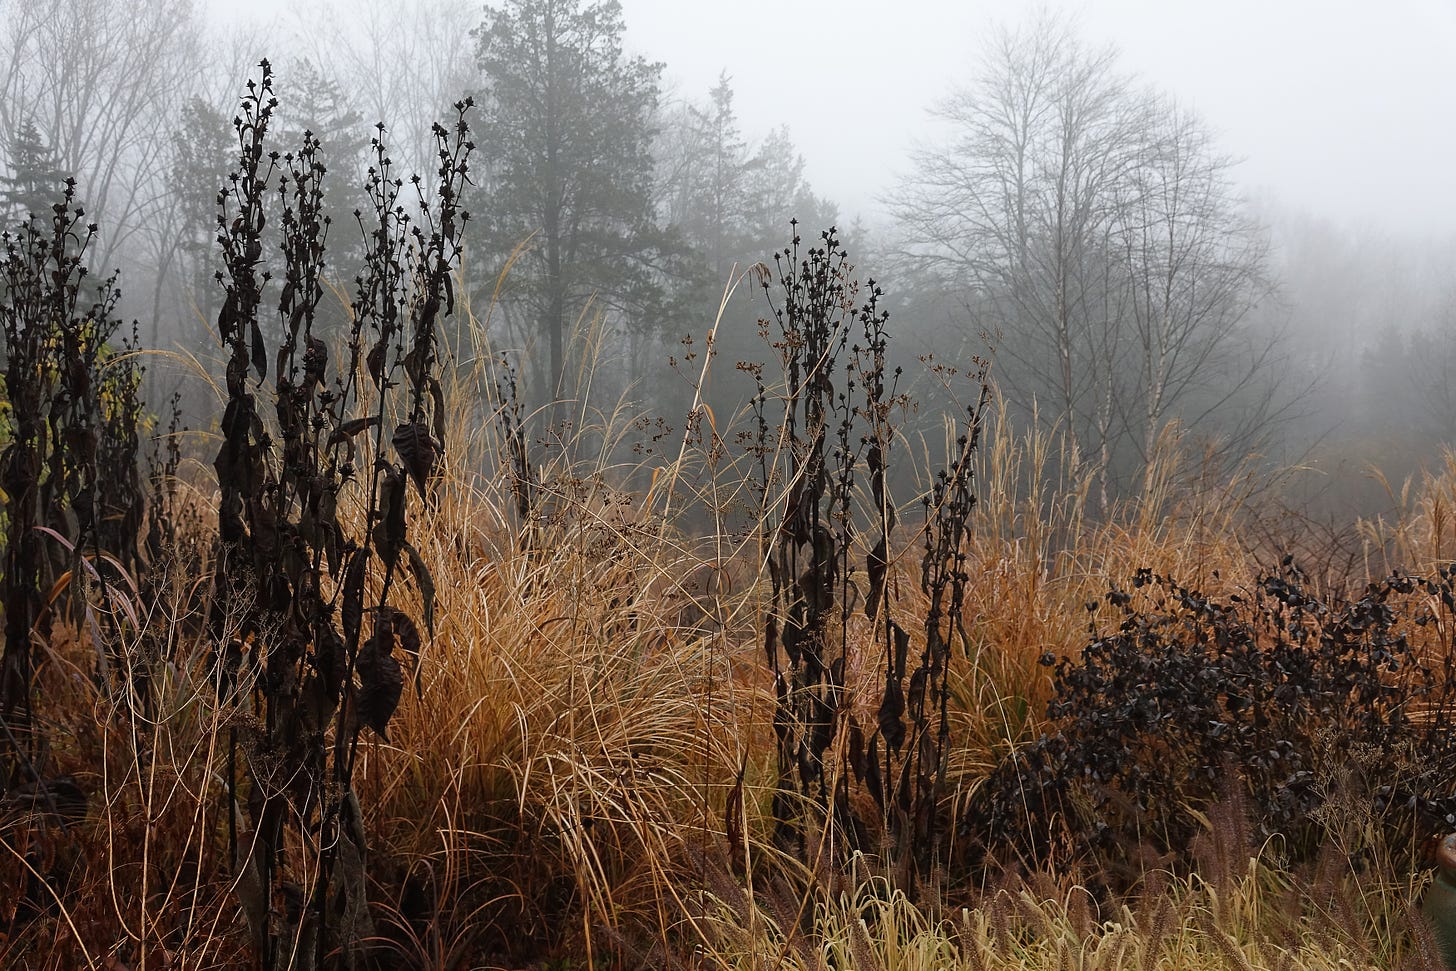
(730, 197)
(1090, 223)
(567, 190)
(101, 82)
(1092, 226)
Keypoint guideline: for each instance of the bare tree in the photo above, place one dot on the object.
(1195, 268)
(403, 64)
(102, 80)
(1092, 227)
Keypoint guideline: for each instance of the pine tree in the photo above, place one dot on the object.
(567, 134)
(35, 180)
(716, 215)
(733, 200)
(311, 101)
(203, 151)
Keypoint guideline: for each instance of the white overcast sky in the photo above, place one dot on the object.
(1344, 108)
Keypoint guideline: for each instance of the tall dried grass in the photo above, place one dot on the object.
(584, 768)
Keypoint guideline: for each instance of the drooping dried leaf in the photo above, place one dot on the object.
(227, 318)
(437, 396)
(381, 681)
(328, 520)
(389, 531)
(260, 351)
(902, 648)
(315, 362)
(355, 927)
(417, 450)
(317, 703)
(874, 780)
(733, 823)
(331, 659)
(426, 583)
(428, 313)
(351, 428)
(414, 365)
(353, 604)
(876, 565)
(375, 362)
(919, 682)
(793, 637)
(407, 635)
(891, 720)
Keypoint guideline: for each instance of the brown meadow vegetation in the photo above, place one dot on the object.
(519, 701)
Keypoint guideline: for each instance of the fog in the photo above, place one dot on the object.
(1316, 136)
(1341, 108)
(902, 457)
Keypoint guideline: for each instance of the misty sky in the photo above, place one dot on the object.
(1341, 107)
(1344, 108)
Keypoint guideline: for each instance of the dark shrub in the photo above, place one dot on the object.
(1285, 697)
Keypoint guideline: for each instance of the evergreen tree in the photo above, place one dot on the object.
(733, 202)
(311, 101)
(35, 180)
(567, 135)
(715, 214)
(203, 150)
(778, 191)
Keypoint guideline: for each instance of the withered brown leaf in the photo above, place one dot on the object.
(381, 681)
(418, 450)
